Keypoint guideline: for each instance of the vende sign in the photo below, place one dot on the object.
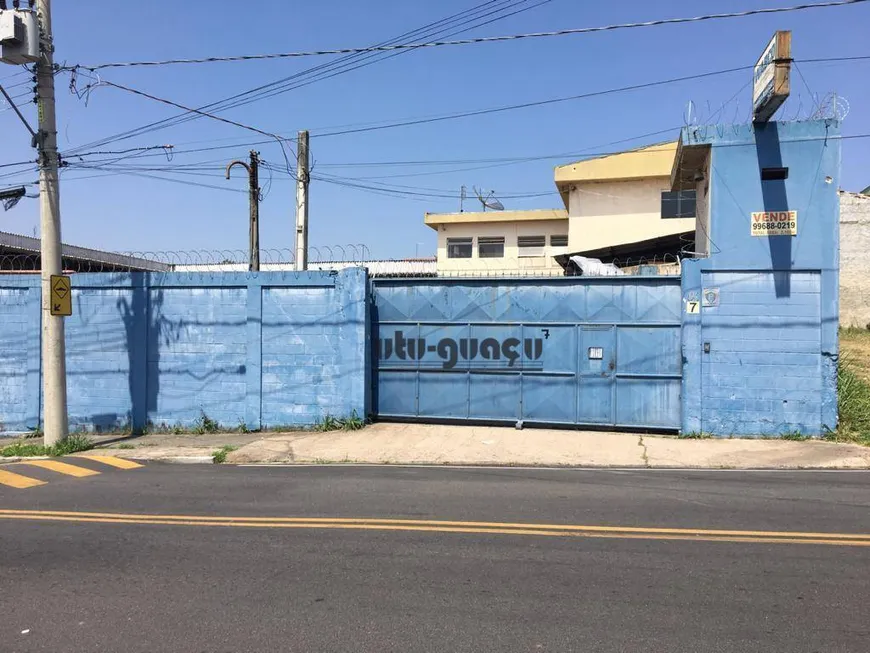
(774, 223)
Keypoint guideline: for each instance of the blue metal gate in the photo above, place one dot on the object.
(586, 351)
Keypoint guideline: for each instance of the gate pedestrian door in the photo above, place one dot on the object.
(594, 351)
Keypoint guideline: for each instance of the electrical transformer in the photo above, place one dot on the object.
(19, 36)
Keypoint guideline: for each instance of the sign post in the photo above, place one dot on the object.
(61, 296)
(771, 82)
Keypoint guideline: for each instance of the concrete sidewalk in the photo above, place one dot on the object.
(484, 445)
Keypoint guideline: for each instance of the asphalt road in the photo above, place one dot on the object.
(169, 558)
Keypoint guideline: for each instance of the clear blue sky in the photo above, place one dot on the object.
(130, 213)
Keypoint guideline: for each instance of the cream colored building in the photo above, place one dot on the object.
(500, 242)
(609, 201)
(615, 200)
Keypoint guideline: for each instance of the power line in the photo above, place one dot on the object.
(525, 105)
(23, 71)
(158, 177)
(464, 114)
(812, 95)
(282, 86)
(277, 138)
(412, 163)
(537, 103)
(205, 166)
(862, 57)
(485, 39)
(422, 194)
(15, 108)
(385, 125)
(433, 193)
(317, 71)
(197, 111)
(18, 163)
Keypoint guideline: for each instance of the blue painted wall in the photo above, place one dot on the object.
(772, 335)
(265, 350)
(287, 349)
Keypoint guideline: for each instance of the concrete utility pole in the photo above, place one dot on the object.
(302, 181)
(55, 420)
(254, 201)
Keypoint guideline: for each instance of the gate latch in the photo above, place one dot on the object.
(706, 347)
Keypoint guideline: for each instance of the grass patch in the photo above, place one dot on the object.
(72, 444)
(205, 424)
(201, 426)
(330, 423)
(855, 351)
(853, 399)
(23, 449)
(126, 446)
(795, 436)
(220, 456)
(695, 435)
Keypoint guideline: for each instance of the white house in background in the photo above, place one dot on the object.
(500, 242)
(621, 202)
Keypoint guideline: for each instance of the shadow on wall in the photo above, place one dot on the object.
(775, 198)
(145, 326)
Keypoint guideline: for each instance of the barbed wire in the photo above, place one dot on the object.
(216, 260)
(320, 258)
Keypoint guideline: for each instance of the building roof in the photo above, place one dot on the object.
(472, 217)
(21, 253)
(651, 249)
(647, 162)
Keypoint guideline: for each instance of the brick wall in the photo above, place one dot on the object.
(854, 261)
(262, 350)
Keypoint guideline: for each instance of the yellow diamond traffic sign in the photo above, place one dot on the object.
(61, 296)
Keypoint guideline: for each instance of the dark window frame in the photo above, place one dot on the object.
(486, 242)
(453, 245)
(538, 241)
(679, 204)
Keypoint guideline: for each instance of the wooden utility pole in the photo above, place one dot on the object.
(302, 181)
(254, 201)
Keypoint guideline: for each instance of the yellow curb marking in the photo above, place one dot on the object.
(18, 481)
(113, 461)
(62, 468)
(610, 532)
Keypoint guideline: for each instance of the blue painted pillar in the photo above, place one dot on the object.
(140, 324)
(34, 356)
(355, 341)
(253, 366)
(691, 348)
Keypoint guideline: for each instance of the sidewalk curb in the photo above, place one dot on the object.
(175, 460)
(18, 459)
(579, 466)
